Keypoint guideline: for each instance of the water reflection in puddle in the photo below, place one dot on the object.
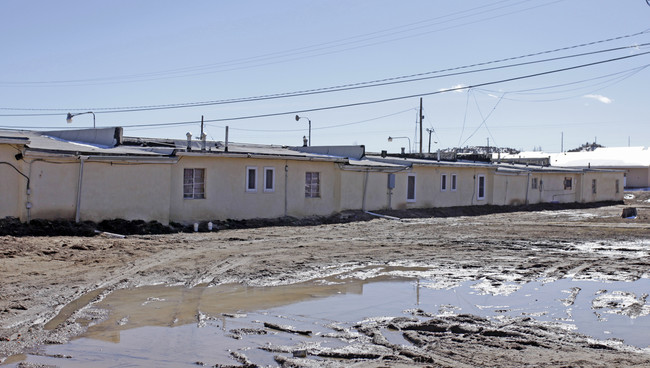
(175, 326)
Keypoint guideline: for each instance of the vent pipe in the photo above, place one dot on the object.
(226, 147)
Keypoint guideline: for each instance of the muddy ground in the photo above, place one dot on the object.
(41, 275)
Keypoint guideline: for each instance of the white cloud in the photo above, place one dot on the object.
(600, 98)
(456, 88)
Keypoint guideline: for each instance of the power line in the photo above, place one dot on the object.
(317, 128)
(390, 99)
(397, 98)
(195, 70)
(346, 87)
(604, 84)
(484, 122)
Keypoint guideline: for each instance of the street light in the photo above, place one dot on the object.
(70, 116)
(304, 117)
(390, 139)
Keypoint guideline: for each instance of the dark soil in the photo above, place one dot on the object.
(14, 227)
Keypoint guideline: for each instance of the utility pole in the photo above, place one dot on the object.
(421, 118)
(202, 136)
(429, 131)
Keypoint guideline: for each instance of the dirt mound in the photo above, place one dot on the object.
(12, 226)
(491, 209)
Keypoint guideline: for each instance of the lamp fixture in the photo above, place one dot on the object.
(70, 116)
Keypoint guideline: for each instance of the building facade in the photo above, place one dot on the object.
(97, 174)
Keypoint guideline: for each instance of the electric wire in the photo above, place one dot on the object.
(318, 127)
(484, 122)
(462, 131)
(314, 48)
(346, 87)
(617, 78)
(402, 97)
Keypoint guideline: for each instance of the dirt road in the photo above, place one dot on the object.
(41, 275)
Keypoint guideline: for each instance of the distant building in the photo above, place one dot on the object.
(97, 174)
(633, 161)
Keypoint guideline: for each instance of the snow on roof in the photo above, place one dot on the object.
(606, 157)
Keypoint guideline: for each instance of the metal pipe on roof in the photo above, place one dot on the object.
(225, 149)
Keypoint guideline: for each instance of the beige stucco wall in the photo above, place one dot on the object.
(509, 189)
(53, 187)
(352, 187)
(606, 186)
(130, 191)
(637, 178)
(552, 188)
(226, 196)
(428, 192)
(154, 191)
(12, 184)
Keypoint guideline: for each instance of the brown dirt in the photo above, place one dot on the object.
(41, 275)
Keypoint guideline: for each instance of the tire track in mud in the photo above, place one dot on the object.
(45, 274)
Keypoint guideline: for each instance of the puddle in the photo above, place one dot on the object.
(175, 326)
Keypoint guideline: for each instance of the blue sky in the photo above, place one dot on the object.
(76, 56)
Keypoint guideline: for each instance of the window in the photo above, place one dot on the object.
(593, 186)
(443, 182)
(194, 183)
(269, 179)
(617, 184)
(410, 188)
(312, 185)
(480, 189)
(251, 179)
(453, 182)
(568, 183)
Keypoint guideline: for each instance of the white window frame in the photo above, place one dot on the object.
(534, 183)
(251, 188)
(443, 182)
(312, 180)
(478, 187)
(268, 189)
(415, 185)
(196, 189)
(454, 182)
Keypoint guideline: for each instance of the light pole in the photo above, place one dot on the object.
(304, 117)
(390, 139)
(70, 116)
(430, 131)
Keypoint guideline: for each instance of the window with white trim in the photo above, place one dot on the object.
(269, 179)
(443, 182)
(251, 179)
(480, 187)
(193, 183)
(533, 183)
(410, 188)
(454, 182)
(312, 185)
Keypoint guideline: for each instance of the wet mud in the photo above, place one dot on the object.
(498, 253)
